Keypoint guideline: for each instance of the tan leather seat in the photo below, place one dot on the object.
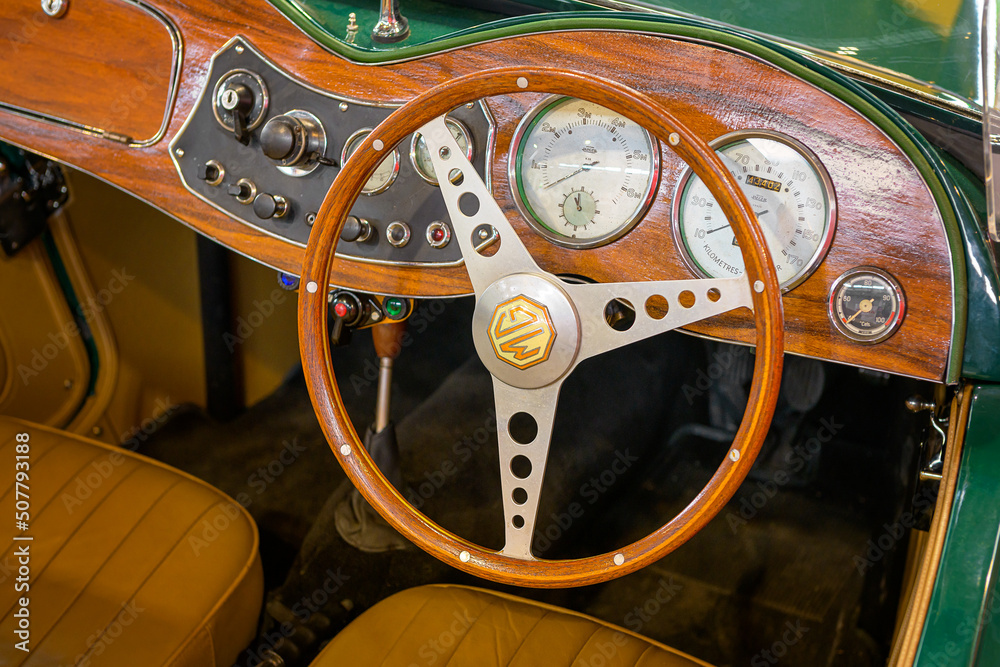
(459, 626)
(131, 563)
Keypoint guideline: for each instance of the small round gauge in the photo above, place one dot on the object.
(791, 195)
(385, 172)
(866, 305)
(421, 159)
(581, 174)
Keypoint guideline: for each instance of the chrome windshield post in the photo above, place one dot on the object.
(391, 26)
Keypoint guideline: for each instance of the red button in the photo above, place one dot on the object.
(340, 309)
(437, 235)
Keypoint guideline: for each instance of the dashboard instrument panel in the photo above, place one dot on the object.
(876, 209)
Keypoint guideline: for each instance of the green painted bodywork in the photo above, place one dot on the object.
(980, 359)
(900, 35)
(958, 629)
(897, 35)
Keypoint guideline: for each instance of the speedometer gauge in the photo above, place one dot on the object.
(791, 195)
(581, 174)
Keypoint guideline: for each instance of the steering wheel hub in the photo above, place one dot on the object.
(526, 330)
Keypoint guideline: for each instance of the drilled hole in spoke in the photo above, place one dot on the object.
(686, 298)
(520, 467)
(714, 294)
(522, 428)
(456, 176)
(518, 521)
(519, 496)
(657, 307)
(468, 204)
(619, 314)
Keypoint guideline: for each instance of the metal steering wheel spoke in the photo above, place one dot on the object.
(659, 306)
(477, 220)
(522, 466)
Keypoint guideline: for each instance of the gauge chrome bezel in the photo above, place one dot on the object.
(364, 132)
(829, 193)
(470, 149)
(513, 160)
(843, 328)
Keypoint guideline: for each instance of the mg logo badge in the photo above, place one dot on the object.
(521, 332)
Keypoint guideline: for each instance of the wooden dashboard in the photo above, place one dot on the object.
(886, 215)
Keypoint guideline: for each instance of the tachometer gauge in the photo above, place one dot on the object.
(421, 159)
(866, 305)
(386, 171)
(791, 195)
(581, 174)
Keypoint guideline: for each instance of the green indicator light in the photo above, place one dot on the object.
(394, 307)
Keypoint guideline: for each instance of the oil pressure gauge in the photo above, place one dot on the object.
(866, 305)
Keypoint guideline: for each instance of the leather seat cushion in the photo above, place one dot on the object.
(460, 626)
(132, 562)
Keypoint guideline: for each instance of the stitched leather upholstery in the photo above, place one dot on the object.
(457, 626)
(132, 562)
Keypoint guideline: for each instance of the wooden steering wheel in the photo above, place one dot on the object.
(531, 329)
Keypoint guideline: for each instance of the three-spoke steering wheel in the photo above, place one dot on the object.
(531, 329)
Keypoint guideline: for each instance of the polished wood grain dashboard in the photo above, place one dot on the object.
(887, 216)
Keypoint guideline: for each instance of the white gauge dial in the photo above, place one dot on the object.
(385, 172)
(582, 175)
(421, 159)
(791, 195)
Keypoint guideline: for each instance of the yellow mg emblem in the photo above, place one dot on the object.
(521, 332)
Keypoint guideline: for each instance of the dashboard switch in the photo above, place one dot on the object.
(244, 190)
(267, 206)
(356, 229)
(212, 172)
(398, 233)
(347, 308)
(240, 102)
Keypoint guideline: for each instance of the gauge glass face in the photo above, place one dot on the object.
(422, 160)
(790, 193)
(582, 175)
(385, 172)
(866, 305)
